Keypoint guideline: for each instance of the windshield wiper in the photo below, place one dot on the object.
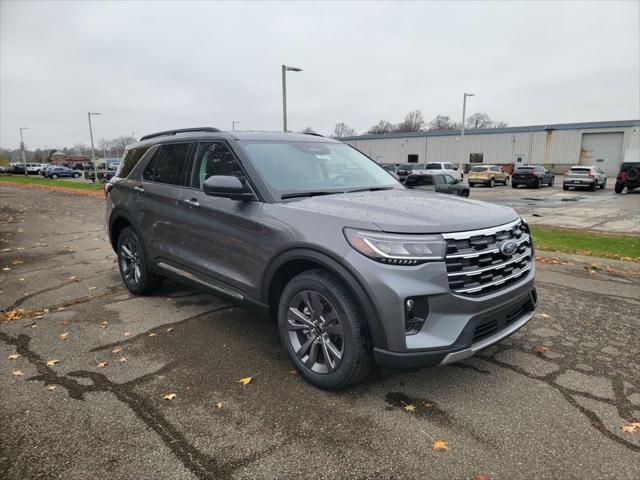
(307, 194)
(369, 189)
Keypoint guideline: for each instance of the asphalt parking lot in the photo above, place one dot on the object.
(548, 402)
(602, 210)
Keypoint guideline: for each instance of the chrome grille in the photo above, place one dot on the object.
(475, 264)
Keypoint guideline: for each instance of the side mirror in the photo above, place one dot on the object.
(226, 186)
(455, 167)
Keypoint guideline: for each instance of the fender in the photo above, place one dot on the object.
(334, 264)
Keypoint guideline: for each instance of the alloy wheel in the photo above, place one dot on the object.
(315, 331)
(130, 261)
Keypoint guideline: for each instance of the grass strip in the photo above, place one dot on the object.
(48, 182)
(580, 242)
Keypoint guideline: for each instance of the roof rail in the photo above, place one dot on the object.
(180, 130)
(313, 133)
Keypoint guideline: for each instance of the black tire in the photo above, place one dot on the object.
(53, 176)
(492, 183)
(539, 184)
(551, 182)
(633, 174)
(594, 187)
(565, 188)
(618, 188)
(138, 281)
(472, 185)
(76, 175)
(604, 184)
(514, 185)
(465, 193)
(336, 303)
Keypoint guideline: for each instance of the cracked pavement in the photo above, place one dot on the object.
(508, 412)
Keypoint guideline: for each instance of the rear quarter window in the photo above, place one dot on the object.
(130, 160)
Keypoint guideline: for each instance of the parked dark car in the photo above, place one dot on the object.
(355, 268)
(628, 177)
(62, 172)
(441, 183)
(532, 176)
(406, 169)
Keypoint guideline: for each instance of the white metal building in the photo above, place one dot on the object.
(557, 147)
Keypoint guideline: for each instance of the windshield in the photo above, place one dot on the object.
(478, 169)
(434, 166)
(315, 167)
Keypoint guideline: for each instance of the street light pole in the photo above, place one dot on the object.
(285, 68)
(24, 154)
(93, 151)
(464, 114)
(233, 124)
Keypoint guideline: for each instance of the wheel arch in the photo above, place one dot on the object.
(118, 221)
(294, 261)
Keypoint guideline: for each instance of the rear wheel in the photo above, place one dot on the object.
(539, 184)
(594, 187)
(133, 264)
(492, 183)
(618, 188)
(76, 175)
(565, 188)
(551, 182)
(323, 330)
(514, 185)
(604, 184)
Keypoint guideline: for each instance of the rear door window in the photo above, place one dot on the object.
(168, 164)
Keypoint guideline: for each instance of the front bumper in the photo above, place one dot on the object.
(449, 330)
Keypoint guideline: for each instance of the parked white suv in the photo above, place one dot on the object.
(443, 167)
(582, 176)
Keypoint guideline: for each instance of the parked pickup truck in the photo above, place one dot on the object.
(443, 168)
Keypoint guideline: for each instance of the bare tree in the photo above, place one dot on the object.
(413, 122)
(500, 125)
(382, 127)
(441, 122)
(479, 121)
(343, 130)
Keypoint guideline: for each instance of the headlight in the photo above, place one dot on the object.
(396, 249)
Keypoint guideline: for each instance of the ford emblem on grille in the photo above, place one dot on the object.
(508, 247)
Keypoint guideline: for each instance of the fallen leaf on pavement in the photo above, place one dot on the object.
(479, 476)
(427, 405)
(60, 309)
(116, 350)
(52, 388)
(66, 322)
(93, 288)
(245, 380)
(6, 269)
(127, 334)
(63, 336)
(51, 363)
(71, 279)
(12, 314)
(440, 445)
(544, 315)
(102, 364)
(18, 373)
(13, 356)
(170, 329)
(104, 324)
(218, 405)
(410, 408)
(122, 359)
(540, 349)
(294, 372)
(632, 427)
(153, 334)
(170, 396)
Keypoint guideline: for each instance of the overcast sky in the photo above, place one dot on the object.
(153, 66)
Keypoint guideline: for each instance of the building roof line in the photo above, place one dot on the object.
(487, 131)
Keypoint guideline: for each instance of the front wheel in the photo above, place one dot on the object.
(76, 175)
(133, 265)
(514, 185)
(54, 176)
(492, 183)
(323, 331)
(618, 188)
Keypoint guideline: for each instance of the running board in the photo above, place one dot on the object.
(208, 284)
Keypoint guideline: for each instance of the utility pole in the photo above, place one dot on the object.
(286, 69)
(133, 135)
(233, 124)
(460, 143)
(93, 150)
(24, 153)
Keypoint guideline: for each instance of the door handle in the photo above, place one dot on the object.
(139, 189)
(192, 203)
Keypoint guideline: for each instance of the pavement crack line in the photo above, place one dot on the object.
(569, 395)
(202, 465)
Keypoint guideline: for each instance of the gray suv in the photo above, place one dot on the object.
(355, 268)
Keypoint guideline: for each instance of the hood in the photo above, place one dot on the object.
(409, 211)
